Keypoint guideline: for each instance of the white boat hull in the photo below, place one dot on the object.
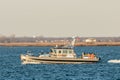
(26, 59)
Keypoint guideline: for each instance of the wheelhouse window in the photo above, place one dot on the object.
(70, 51)
(59, 51)
(51, 50)
(54, 51)
(64, 51)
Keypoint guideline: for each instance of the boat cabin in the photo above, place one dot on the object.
(64, 52)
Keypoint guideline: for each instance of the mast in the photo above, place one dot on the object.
(73, 42)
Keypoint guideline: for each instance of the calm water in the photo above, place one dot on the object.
(12, 69)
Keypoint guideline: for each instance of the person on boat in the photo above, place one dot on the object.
(92, 56)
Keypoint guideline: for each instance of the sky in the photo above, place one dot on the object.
(60, 18)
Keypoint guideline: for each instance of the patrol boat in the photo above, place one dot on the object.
(60, 54)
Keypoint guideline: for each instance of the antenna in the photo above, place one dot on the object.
(73, 42)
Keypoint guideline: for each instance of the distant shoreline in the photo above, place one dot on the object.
(54, 44)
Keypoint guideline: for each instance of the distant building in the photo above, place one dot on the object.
(90, 40)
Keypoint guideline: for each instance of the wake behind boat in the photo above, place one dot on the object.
(114, 61)
(60, 54)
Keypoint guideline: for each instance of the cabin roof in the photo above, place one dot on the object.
(63, 47)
